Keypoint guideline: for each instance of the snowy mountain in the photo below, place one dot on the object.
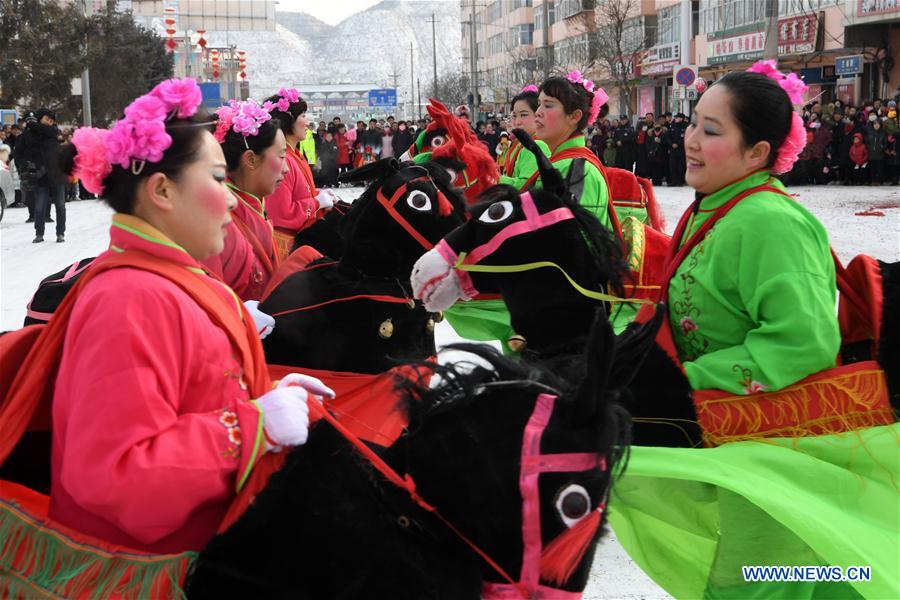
(370, 46)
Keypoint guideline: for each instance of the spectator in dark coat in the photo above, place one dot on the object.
(821, 142)
(674, 141)
(624, 138)
(35, 156)
(876, 142)
(403, 139)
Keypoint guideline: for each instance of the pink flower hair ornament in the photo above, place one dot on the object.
(288, 96)
(529, 88)
(242, 117)
(795, 88)
(91, 164)
(141, 136)
(598, 96)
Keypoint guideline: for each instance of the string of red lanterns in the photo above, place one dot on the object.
(169, 14)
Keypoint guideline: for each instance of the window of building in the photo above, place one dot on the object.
(669, 25)
(539, 14)
(569, 8)
(495, 44)
(800, 7)
(716, 15)
(524, 34)
(517, 4)
(494, 11)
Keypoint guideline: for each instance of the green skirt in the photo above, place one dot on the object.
(481, 320)
(692, 518)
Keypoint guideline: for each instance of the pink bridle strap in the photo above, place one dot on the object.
(533, 221)
(533, 463)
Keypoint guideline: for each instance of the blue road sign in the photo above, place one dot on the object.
(212, 94)
(848, 65)
(383, 98)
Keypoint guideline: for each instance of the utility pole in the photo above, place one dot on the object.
(771, 47)
(434, 55)
(545, 37)
(686, 24)
(419, 103)
(473, 55)
(86, 76)
(412, 83)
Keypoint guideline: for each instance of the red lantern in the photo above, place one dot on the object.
(202, 41)
(171, 44)
(170, 21)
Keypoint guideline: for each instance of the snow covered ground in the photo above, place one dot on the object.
(875, 232)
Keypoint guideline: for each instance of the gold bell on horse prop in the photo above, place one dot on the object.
(386, 329)
(516, 343)
(438, 316)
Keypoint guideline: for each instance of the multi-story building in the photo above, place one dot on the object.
(502, 59)
(848, 49)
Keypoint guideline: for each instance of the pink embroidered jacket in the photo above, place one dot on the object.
(246, 264)
(153, 429)
(292, 206)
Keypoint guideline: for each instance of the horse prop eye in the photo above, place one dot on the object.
(419, 201)
(573, 504)
(438, 141)
(497, 212)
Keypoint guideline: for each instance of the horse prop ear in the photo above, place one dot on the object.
(597, 364)
(372, 171)
(551, 179)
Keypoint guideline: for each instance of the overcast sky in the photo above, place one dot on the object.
(330, 11)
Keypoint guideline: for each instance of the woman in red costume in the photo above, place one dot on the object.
(162, 404)
(296, 203)
(255, 149)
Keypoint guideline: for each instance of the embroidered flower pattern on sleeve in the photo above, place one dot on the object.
(229, 421)
(691, 344)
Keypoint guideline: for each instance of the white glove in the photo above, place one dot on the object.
(265, 324)
(285, 416)
(308, 383)
(326, 199)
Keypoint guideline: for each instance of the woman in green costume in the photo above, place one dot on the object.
(520, 166)
(565, 106)
(752, 309)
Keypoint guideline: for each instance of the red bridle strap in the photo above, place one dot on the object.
(406, 482)
(389, 205)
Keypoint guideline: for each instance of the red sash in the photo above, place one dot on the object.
(582, 152)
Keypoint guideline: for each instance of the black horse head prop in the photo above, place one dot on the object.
(515, 459)
(405, 210)
(540, 249)
(357, 314)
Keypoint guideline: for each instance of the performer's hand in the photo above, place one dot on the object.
(308, 383)
(285, 416)
(265, 324)
(326, 199)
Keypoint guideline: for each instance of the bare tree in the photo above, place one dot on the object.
(621, 41)
(454, 89)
